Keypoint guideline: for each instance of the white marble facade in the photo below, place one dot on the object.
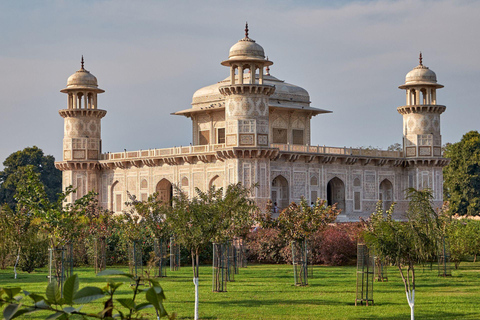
(256, 130)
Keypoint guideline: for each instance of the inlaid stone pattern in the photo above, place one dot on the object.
(82, 127)
(262, 140)
(239, 106)
(246, 139)
(231, 139)
(299, 184)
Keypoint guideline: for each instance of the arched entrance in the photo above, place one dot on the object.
(385, 194)
(336, 193)
(116, 201)
(165, 190)
(280, 192)
(215, 182)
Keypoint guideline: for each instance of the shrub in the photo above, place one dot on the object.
(336, 247)
(265, 245)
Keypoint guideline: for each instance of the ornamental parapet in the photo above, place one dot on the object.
(433, 108)
(67, 113)
(219, 152)
(77, 165)
(247, 89)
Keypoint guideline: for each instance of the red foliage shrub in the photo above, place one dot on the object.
(336, 247)
(264, 245)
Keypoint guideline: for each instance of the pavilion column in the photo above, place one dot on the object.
(240, 75)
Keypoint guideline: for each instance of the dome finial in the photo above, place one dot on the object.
(82, 63)
(246, 29)
(420, 58)
(268, 69)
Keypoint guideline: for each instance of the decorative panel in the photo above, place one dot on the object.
(262, 139)
(247, 139)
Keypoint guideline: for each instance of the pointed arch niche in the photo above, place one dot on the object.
(385, 194)
(280, 192)
(336, 193)
(164, 191)
(116, 197)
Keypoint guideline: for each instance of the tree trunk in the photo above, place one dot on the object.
(411, 303)
(16, 263)
(195, 280)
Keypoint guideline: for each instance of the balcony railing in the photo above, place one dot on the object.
(151, 153)
(175, 151)
(339, 151)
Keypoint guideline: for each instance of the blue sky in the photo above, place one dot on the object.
(151, 56)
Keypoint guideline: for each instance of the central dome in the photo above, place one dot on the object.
(246, 49)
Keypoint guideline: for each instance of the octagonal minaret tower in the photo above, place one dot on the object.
(82, 143)
(246, 98)
(421, 114)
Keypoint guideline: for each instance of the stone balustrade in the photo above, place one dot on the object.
(190, 150)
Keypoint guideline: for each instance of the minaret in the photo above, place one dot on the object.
(246, 98)
(82, 144)
(421, 114)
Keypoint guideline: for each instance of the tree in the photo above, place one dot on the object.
(210, 216)
(297, 224)
(61, 223)
(462, 175)
(406, 243)
(395, 147)
(15, 167)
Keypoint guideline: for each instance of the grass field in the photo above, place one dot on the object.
(266, 292)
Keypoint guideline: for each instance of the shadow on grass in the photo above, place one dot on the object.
(276, 302)
(423, 315)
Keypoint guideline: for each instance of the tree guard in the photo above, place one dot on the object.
(174, 255)
(135, 256)
(220, 270)
(444, 266)
(160, 249)
(100, 254)
(380, 269)
(60, 264)
(299, 262)
(365, 275)
(231, 261)
(309, 261)
(241, 259)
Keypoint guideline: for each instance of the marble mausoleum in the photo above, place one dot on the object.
(252, 127)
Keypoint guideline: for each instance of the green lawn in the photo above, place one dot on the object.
(266, 292)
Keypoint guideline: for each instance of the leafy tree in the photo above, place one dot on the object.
(15, 168)
(395, 147)
(462, 176)
(100, 224)
(61, 223)
(210, 216)
(472, 232)
(406, 243)
(6, 235)
(298, 223)
(457, 242)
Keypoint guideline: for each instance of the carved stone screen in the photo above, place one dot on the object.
(221, 135)
(279, 135)
(297, 136)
